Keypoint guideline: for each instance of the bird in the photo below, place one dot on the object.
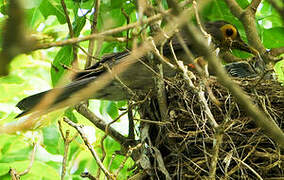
(138, 78)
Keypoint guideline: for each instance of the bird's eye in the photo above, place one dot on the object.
(229, 32)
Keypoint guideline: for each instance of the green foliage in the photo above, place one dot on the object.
(52, 7)
(276, 34)
(63, 57)
(36, 72)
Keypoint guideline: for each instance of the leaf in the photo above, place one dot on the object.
(78, 25)
(51, 139)
(52, 7)
(18, 155)
(33, 17)
(273, 37)
(63, 57)
(4, 169)
(112, 109)
(70, 115)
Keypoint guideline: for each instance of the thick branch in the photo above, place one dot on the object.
(99, 123)
(277, 51)
(247, 17)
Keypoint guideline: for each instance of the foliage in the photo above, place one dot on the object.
(39, 70)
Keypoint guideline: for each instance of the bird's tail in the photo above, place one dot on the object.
(29, 103)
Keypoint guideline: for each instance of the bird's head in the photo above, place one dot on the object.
(226, 36)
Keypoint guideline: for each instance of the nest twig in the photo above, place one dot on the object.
(186, 142)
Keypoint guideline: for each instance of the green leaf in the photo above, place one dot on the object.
(243, 3)
(51, 139)
(39, 170)
(78, 25)
(69, 113)
(18, 155)
(52, 7)
(63, 57)
(4, 169)
(33, 17)
(273, 37)
(112, 109)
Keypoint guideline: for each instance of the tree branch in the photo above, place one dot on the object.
(276, 51)
(93, 30)
(269, 127)
(99, 123)
(247, 17)
(102, 35)
(90, 147)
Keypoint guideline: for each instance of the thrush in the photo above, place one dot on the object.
(138, 78)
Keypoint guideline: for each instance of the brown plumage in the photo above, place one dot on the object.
(138, 77)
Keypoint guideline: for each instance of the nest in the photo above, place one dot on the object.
(186, 141)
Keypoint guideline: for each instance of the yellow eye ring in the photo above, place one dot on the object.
(229, 31)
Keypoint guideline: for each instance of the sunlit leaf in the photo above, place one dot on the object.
(52, 7)
(273, 37)
(63, 57)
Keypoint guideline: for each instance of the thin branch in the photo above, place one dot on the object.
(90, 147)
(235, 8)
(102, 80)
(71, 32)
(67, 18)
(93, 30)
(103, 154)
(15, 175)
(31, 162)
(161, 92)
(253, 5)
(88, 175)
(127, 22)
(131, 125)
(128, 154)
(67, 140)
(216, 148)
(270, 128)
(102, 35)
(99, 123)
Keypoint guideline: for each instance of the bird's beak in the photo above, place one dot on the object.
(241, 45)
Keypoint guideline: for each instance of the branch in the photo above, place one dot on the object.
(14, 36)
(253, 5)
(103, 80)
(67, 140)
(99, 123)
(247, 17)
(71, 32)
(103, 35)
(93, 30)
(277, 51)
(269, 127)
(90, 147)
(31, 162)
